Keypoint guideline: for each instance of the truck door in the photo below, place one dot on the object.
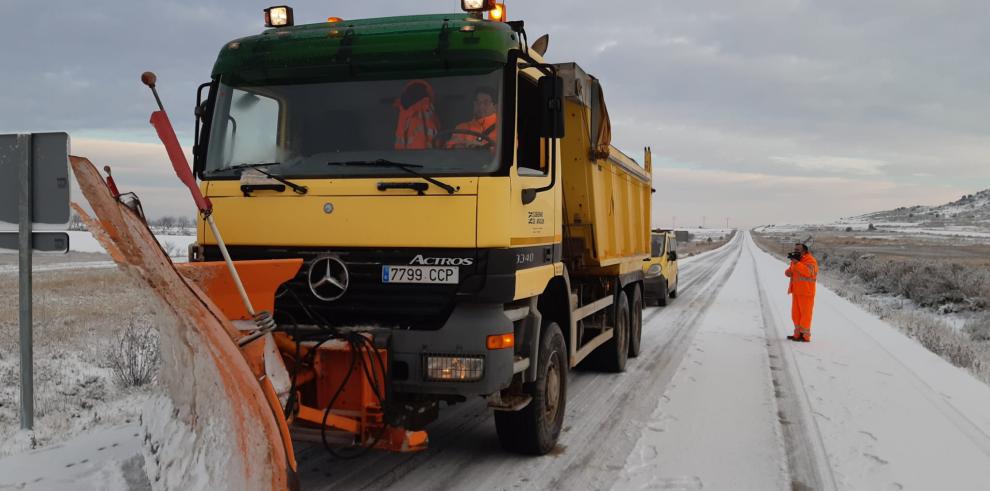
(534, 223)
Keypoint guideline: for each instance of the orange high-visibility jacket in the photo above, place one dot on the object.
(418, 123)
(487, 126)
(803, 275)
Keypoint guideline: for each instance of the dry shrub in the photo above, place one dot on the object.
(133, 357)
(941, 339)
(978, 327)
(936, 284)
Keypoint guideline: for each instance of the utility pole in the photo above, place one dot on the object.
(704, 220)
(674, 219)
(726, 223)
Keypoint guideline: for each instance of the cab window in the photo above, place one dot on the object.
(250, 132)
(530, 153)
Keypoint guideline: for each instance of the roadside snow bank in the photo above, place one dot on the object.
(172, 457)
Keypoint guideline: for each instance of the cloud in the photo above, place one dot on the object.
(602, 48)
(831, 164)
(695, 196)
(881, 103)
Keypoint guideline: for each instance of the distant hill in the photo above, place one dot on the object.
(971, 210)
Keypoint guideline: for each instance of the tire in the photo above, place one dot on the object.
(662, 296)
(635, 322)
(673, 293)
(612, 356)
(534, 430)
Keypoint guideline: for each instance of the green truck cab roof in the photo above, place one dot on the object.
(367, 48)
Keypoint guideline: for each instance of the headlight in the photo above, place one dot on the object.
(280, 16)
(454, 368)
(653, 270)
(477, 5)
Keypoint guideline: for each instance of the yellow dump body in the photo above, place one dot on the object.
(606, 193)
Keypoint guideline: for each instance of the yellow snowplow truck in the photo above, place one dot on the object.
(660, 271)
(449, 193)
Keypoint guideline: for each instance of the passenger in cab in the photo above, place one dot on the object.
(418, 123)
(482, 131)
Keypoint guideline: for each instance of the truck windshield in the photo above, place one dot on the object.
(448, 125)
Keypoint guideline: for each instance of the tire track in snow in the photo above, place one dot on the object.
(807, 460)
(664, 360)
(605, 416)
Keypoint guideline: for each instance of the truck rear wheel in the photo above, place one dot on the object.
(635, 322)
(534, 429)
(611, 356)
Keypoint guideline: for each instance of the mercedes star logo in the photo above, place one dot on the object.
(328, 278)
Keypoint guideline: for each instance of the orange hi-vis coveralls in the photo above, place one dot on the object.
(487, 126)
(803, 275)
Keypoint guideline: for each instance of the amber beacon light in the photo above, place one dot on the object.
(497, 13)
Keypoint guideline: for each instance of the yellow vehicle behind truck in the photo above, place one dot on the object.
(660, 270)
(489, 259)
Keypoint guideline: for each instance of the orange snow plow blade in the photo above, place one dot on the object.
(219, 399)
(227, 382)
(261, 279)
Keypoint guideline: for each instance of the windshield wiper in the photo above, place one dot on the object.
(295, 187)
(408, 168)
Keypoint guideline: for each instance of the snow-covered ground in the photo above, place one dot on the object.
(892, 229)
(718, 399)
(705, 233)
(108, 460)
(82, 241)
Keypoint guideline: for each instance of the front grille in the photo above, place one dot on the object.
(367, 301)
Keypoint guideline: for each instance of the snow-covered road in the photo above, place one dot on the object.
(719, 399)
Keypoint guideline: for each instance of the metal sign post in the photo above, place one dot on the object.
(24, 290)
(41, 163)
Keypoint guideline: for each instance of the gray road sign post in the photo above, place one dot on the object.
(41, 163)
(24, 290)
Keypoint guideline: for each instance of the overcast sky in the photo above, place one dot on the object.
(764, 111)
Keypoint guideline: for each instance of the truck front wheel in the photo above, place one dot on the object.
(535, 428)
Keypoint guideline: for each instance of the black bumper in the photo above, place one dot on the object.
(464, 334)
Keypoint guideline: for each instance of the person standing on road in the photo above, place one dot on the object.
(803, 273)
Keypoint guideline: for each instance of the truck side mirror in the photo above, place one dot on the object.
(672, 255)
(551, 100)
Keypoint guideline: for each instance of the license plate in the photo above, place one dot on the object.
(420, 274)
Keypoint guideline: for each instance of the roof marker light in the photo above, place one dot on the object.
(280, 16)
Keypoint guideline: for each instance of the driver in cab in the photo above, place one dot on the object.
(482, 131)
